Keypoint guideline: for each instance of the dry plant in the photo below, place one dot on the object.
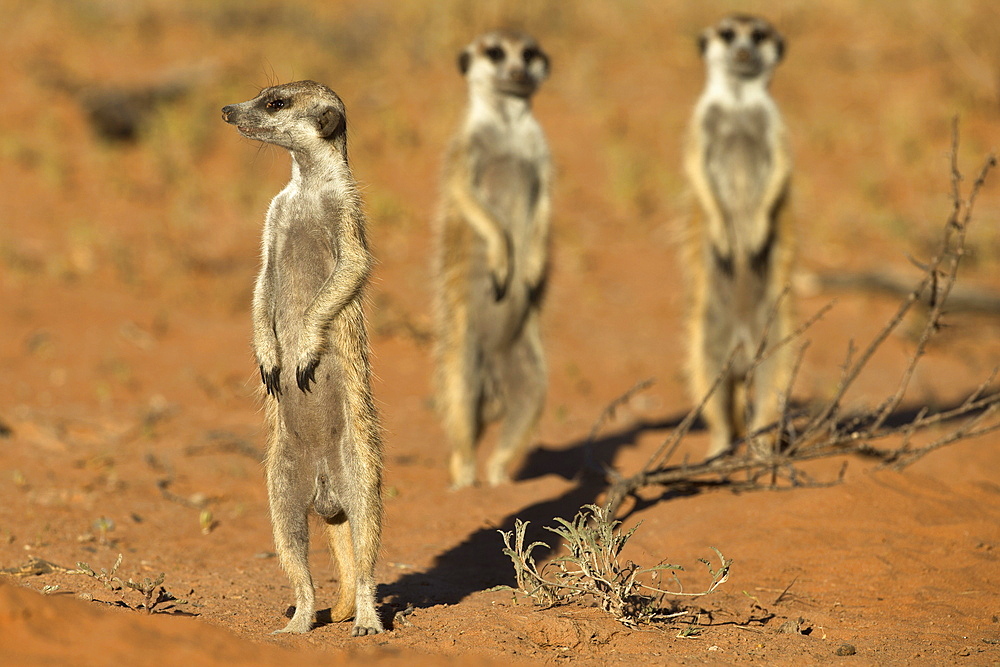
(592, 568)
(828, 431)
(146, 587)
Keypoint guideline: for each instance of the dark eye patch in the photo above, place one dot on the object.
(759, 35)
(495, 53)
(529, 54)
(276, 105)
(727, 35)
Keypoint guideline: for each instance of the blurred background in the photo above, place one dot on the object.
(131, 213)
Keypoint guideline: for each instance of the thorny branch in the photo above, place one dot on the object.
(827, 431)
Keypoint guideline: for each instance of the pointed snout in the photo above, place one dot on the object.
(518, 73)
(227, 112)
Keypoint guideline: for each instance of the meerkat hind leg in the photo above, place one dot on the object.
(460, 398)
(289, 520)
(342, 547)
(718, 411)
(718, 415)
(770, 383)
(523, 382)
(364, 535)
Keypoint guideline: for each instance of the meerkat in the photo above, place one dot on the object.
(492, 258)
(740, 251)
(324, 448)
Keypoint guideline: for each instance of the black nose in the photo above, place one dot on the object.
(226, 111)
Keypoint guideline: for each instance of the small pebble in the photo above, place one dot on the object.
(846, 649)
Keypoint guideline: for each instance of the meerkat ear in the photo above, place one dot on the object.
(702, 43)
(546, 62)
(464, 58)
(779, 45)
(330, 122)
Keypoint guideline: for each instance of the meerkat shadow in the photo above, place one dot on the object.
(477, 563)
(590, 457)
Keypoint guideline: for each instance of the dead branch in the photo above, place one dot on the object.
(825, 431)
(963, 298)
(608, 414)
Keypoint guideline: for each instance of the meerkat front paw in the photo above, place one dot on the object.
(535, 275)
(311, 346)
(500, 270)
(305, 373)
(534, 271)
(266, 350)
(271, 377)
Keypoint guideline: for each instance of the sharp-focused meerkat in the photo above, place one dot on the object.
(324, 450)
(492, 257)
(739, 251)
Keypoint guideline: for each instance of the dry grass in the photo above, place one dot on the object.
(593, 568)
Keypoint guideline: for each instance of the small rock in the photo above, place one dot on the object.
(791, 627)
(401, 618)
(846, 649)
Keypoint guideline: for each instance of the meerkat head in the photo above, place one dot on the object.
(505, 62)
(295, 116)
(742, 46)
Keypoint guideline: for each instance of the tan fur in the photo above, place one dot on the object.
(492, 234)
(739, 251)
(324, 448)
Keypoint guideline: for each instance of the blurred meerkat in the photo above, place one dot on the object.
(739, 252)
(323, 450)
(492, 258)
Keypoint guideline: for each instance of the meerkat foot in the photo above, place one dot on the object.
(763, 447)
(367, 622)
(463, 470)
(721, 445)
(497, 475)
(297, 626)
(463, 483)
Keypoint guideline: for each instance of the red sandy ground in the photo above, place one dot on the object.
(128, 393)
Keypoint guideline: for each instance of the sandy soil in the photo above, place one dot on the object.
(129, 417)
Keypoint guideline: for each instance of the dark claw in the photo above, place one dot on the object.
(306, 375)
(271, 380)
(537, 292)
(499, 289)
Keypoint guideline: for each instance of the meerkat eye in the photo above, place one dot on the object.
(727, 35)
(529, 54)
(495, 53)
(275, 105)
(759, 35)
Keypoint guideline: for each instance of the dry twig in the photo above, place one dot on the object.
(828, 431)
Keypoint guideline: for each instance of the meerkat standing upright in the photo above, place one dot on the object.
(324, 450)
(492, 257)
(740, 252)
